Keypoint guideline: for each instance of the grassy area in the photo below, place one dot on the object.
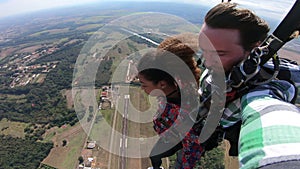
(107, 115)
(75, 147)
(52, 134)
(51, 31)
(65, 157)
(15, 129)
(89, 26)
(49, 136)
(62, 40)
(100, 125)
(93, 19)
(12, 98)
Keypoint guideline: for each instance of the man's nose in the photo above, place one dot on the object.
(208, 60)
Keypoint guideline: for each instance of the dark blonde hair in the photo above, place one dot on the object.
(228, 16)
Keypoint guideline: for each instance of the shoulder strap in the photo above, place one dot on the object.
(246, 71)
(283, 33)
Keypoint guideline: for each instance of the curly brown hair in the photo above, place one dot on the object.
(185, 46)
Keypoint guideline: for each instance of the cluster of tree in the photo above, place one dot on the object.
(91, 113)
(104, 73)
(36, 131)
(213, 159)
(22, 153)
(80, 159)
(4, 80)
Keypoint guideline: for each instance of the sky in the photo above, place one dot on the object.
(274, 8)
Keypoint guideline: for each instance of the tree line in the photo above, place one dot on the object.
(22, 153)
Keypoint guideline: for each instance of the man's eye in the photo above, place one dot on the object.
(221, 54)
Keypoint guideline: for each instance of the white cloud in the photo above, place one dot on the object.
(11, 7)
(275, 8)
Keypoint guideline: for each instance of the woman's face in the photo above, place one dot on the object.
(149, 87)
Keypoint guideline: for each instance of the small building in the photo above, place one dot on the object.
(81, 166)
(91, 145)
(88, 164)
(90, 159)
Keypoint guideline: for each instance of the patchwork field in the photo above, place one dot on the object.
(65, 157)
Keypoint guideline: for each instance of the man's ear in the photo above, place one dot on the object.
(247, 52)
(255, 45)
(162, 84)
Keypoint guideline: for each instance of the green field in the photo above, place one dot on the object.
(50, 31)
(14, 129)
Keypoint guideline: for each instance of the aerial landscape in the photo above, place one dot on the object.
(68, 94)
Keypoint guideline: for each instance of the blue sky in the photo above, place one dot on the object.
(274, 8)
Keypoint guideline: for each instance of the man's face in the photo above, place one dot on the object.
(221, 47)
